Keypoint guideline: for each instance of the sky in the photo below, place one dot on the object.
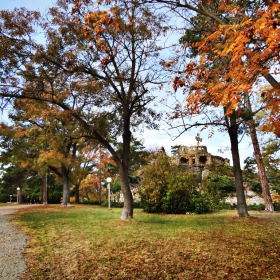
(153, 138)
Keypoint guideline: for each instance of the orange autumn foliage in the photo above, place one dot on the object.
(90, 185)
(233, 59)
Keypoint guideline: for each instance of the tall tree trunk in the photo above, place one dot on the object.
(233, 135)
(44, 189)
(77, 193)
(123, 170)
(262, 173)
(66, 185)
(20, 195)
(128, 198)
(100, 190)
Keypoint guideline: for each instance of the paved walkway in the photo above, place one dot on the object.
(12, 244)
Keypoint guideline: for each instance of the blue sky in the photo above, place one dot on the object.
(153, 138)
(37, 5)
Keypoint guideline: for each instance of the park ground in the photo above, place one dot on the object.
(91, 242)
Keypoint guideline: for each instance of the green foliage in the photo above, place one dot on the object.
(271, 156)
(90, 202)
(115, 204)
(202, 204)
(249, 172)
(222, 205)
(168, 188)
(4, 197)
(116, 186)
(258, 207)
(276, 206)
(151, 206)
(222, 170)
(178, 198)
(256, 187)
(218, 187)
(276, 188)
(175, 149)
(224, 184)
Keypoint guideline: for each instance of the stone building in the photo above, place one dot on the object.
(197, 155)
(196, 159)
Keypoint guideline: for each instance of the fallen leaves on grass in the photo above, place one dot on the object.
(233, 249)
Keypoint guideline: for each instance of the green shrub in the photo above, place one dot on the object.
(258, 207)
(91, 202)
(224, 184)
(276, 188)
(276, 206)
(168, 188)
(256, 187)
(222, 205)
(178, 198)
(3, 197)
(201, 205)
(150, 206)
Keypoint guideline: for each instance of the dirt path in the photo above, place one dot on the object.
(12, 244)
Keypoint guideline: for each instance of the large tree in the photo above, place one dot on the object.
(98, 71)
(245, 34)
(231, 45)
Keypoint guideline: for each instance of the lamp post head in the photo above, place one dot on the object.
(109, 180)
(18, 188)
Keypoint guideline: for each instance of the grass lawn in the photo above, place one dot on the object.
(89, 242)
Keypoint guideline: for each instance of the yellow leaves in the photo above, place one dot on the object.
(97, 22)
(275, 196)
(19, 133)
(95, 17)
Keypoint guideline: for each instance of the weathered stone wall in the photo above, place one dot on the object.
(251, 197)
(197, 155)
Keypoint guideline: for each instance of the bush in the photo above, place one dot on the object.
(3, 197)
(276, 206)
(150, 206)
(256, 187)
(91, 202)
(201, 205)
(222, 205)
(178, 198)
(120, 204)
(276, 189)
(224, 184)
(168, 188)
(257, 207)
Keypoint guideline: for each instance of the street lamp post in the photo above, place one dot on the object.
(18, 189)
(11, 198)
(109, 180)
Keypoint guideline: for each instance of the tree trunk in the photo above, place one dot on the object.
(66, 186)
(262, 173)
(100, 190)
(20, 195)
(77, 194)
(44, 189)
(241, 201)
(127, 212)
